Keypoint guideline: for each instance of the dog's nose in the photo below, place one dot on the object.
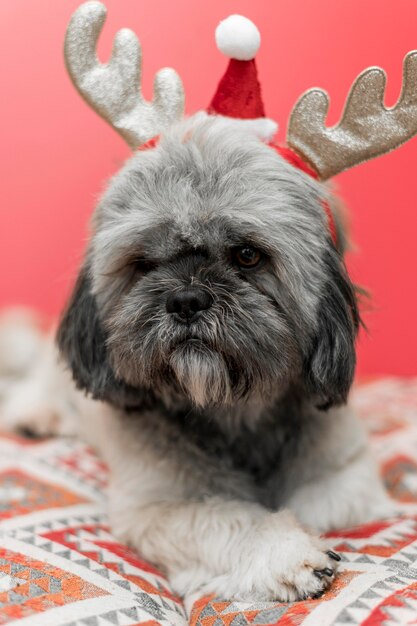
(188, 302)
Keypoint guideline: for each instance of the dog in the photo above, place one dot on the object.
(211, 337)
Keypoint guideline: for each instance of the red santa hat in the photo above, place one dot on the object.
(238, 94)
(239, 91)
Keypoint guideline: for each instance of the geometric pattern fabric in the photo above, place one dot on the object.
(60, 565)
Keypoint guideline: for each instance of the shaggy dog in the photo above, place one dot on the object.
(212, 327)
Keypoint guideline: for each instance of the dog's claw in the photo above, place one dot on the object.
(334, 555)
(321, 573)
(27, 432)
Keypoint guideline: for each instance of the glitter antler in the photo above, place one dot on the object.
(114, 89)
(367, 128)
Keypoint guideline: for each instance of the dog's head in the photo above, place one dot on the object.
(211, 274)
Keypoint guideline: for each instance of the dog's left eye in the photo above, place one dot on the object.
(247, 257)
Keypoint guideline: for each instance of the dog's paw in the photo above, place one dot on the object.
(305, 572)
(286, 563)
(280, 562)
(33, 424)
(26, 412)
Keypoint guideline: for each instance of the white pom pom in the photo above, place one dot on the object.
(238, 38)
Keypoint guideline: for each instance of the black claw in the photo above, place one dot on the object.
(28, 432)
(321, 573)
(334, 555)
(317, 595)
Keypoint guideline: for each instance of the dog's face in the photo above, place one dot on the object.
(211, 275)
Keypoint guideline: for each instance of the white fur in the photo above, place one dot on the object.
(20, 342)
(39, 396)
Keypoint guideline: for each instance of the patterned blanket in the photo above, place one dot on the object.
(60, 565)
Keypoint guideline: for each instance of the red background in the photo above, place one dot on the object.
(56, 153)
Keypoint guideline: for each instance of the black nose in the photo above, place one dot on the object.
(187, 303)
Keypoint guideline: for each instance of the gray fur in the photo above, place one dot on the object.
(275, 344)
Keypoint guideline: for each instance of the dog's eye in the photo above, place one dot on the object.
(246, 257)
(143, 266)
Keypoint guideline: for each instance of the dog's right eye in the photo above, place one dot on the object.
(143, 266)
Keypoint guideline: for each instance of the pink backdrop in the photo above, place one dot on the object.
(57, 153)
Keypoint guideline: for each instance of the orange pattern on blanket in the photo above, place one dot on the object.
(31, 586)
(103, 552)
(209, 612)
(23, 494)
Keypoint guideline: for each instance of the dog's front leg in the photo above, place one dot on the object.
(234, 549)
(335, 481)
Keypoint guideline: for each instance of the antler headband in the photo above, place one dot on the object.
(366, 130)
(114, 89)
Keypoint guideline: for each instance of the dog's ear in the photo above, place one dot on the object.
(330, 366)
(82, 343)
